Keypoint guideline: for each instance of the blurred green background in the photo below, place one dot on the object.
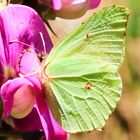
(124, 123)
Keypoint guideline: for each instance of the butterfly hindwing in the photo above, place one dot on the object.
(86, 90)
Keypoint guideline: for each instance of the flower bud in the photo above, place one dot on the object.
(23, 102)
(70, 9)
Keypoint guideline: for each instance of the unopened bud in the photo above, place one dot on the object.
(23, 102)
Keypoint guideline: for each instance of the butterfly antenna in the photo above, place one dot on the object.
(43, 42)
(17, 41)
(20, 42)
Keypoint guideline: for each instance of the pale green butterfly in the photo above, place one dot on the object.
(81, 71)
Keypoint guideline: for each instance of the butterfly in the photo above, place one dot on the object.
(81, 72)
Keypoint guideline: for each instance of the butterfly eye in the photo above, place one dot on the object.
(41, 56)
(88, 85)
(20, 42)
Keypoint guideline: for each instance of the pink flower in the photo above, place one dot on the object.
(70, 8)
(23, 37)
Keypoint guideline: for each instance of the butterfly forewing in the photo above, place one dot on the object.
(102, 37)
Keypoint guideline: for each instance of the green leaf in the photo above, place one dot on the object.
(81, 72)
(101, 37)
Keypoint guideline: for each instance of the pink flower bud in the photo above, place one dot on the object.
(23, 102)
(70, 8)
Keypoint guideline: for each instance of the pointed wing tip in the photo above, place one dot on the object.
(126, 10)
(123, 8)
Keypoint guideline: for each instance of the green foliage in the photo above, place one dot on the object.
(81, 71)
(134, 24)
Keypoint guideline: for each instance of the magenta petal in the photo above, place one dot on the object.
(57, 4)
(2, 46)
(52, 130)
(7, 93)
(59, 133)
(25, 26)
(93, 3)
(39, 95)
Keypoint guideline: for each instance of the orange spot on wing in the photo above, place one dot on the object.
(88, 85)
